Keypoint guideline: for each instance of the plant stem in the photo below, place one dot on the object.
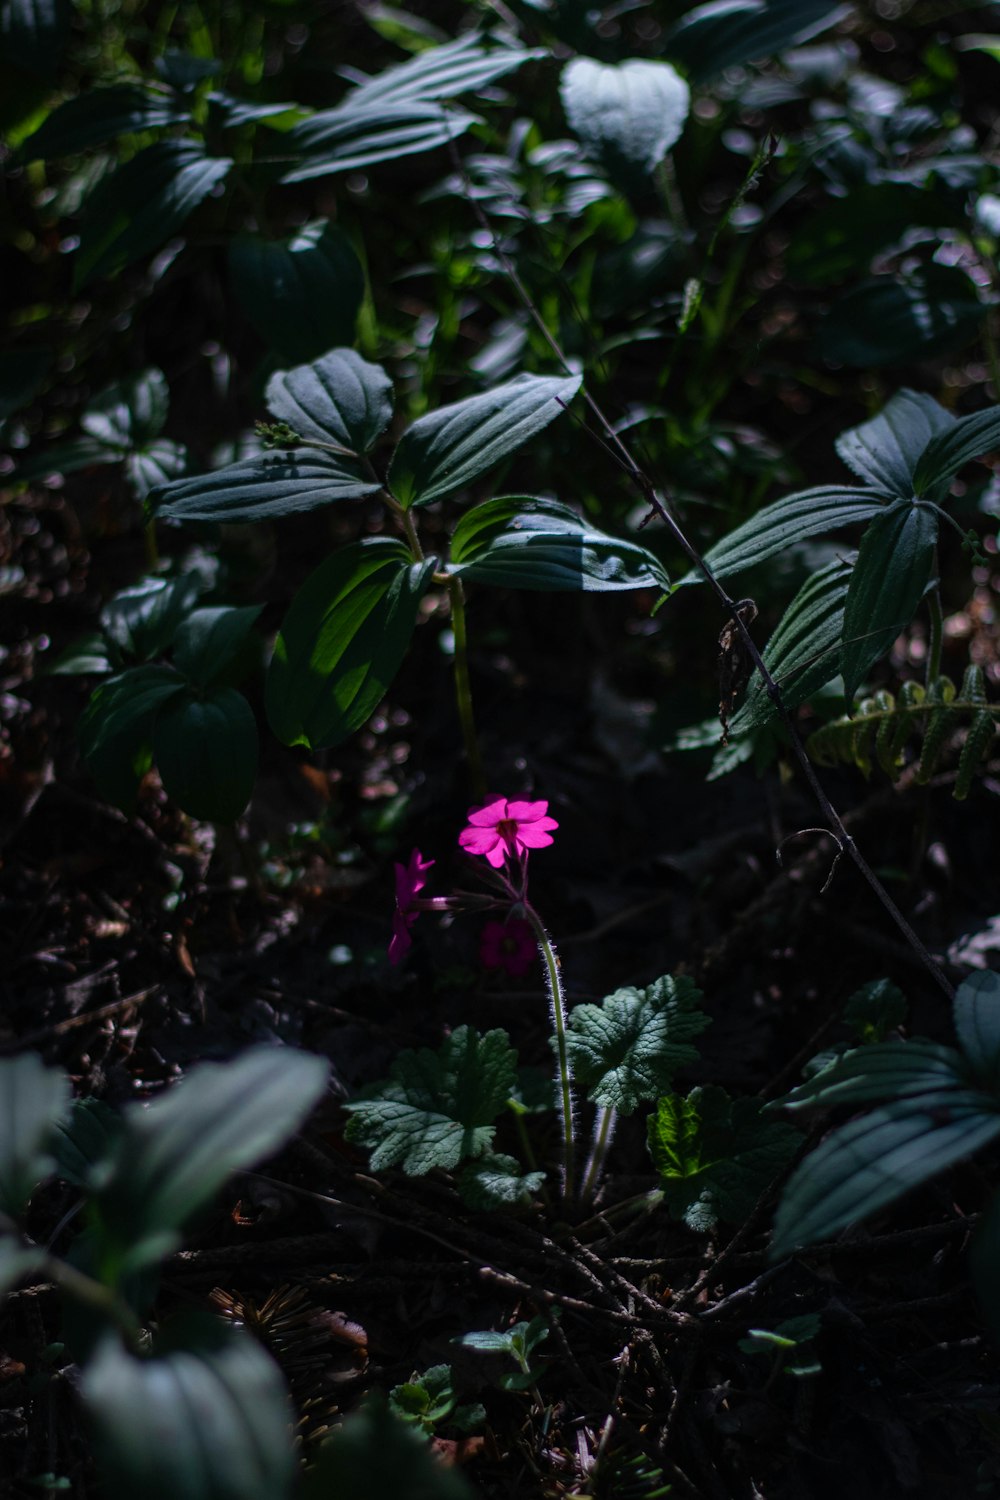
(463, 689)
(557, 999)
(934, 640)
(604, 1129)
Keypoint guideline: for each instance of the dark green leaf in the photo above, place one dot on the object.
(497, 1181)
(99, 115)
(263, 487)
(890, 321)
(350, 139)
(454, 445)
(210, 1421)
(876, 1009)
(155, 466)
(87, 655)
(33, 34)
(301, 294)
(947, 451)
(85, 1143)
(142, 621)
(375, 1456)
(438, 1108)
(626, 1051)
(724, 33)
(144, 204)
(129, 413)
(894, 567)
(627, 116)
(229, 113)
(517, 541)
(342, 642)
(977, 1023)
(871, 1161)
(209, 642)
(340, 400)
(206, 753)
(116, 728)
(183, 71)
(441, 73)
(33, 1099)
(177, 1152)
(886, 450)
(840, 238)
(881, 1070)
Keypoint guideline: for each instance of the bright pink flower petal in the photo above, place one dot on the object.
(401, 941)
(527, 812)
(490, 815)
(497, 854)
(479, 840)
(533, 837)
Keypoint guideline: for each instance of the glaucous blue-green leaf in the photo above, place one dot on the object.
(302, 294)
(520, 542)
(893, 569)
(450, 447)
(129, 413)
(350, 139)
(977, 1024)
(99, 115)
(205, 748)
(116, 728)
(209, 1420)
(948, 450)
(176, 1152)
(803, 654)
(33, 1099)
(85, 1142)
(437, 1108)
(497, 1181)
(895, 321)
(263, 487)
(33, 34)
(886, 450)
(142, 205)
(375, 1455)
(342, 642)
(626, 1050)
(871, 1161)
(141, 622)
(716, 1155)
(793, 519)
(724, 33)
(340, 400)
(881, 1070)
(211, 641)
(627, 115)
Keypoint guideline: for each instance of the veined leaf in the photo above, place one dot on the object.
(129, 413)
(723, 33)
(154, 466)
(349, 139)
(116, 728)
(492, 1182)
(142, 621)
(340, 400)
(143, 205)
(881, 1070)
(891, 575)
(626, 1050)
(100, 115)
(437, 1108)
(627, 116)
(450, 447)
(948, 450)
(342, 641)
(33, 1100)
(302, 294)
(86, 1141)
(263, 487)
(211, 641)
(520, 542)
(977, 1023)
(205, 748)
(886, 450)
(442, 73)
(230, 112)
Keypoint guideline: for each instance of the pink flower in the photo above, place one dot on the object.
(505, 829)
(409, 880)
(509, 946)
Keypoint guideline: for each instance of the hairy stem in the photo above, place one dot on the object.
(604, 1129)
(557, 1000)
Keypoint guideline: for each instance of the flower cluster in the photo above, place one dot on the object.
(502, 830)
(409, 880)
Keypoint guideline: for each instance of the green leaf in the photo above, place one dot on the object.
(977, 1024)
(130, 412)
(209, 1421)
(425, 1399)
(22, 374)
(442, 72)
(340, 400)
(628, 116)
(724, 33)
(876, 1009)
(33, 34)
(375, 1456)
(178, 1151)
(302, 294)
(496, 1181)
(454, 445)
(886, 321)
(143, 621)
(263, 487)
(205, 750)
(518, 541)
(871, 1161)
(351, 138)
(839, 238)
(100, 115)
(116, 728)
(891, 575)
(85, 1143)
(947, 451)
(881, 1070)
(626, 1050)
(886, 450)
(33, 1100)
(438, 1108)
(779, 526)
(716, 1155)
(86, 656)
(142, 205)
(212, 641)
(155, 466)
(342, 642)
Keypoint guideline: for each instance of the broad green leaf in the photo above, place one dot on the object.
(426, 1399)
(227, 112)
(99, 115)
(881, 1070)
(454, 445)
(212, 642)
(886, 450)
(342, 642)
(176, 1152)
(143, 621)
(205, 750)
(968, 438)
(263, 487)
(116, 728)
(890, 321)
(628, 116)
(716, 1155)
(893, 569)
(33, 34)
(85, 1142)
(301, 294)
(977, 1024)
(517, 541)
(207, 1421)
(33, 1100)
(871, 1161)
(340, 400)
(142, 205)
(350, 139)
(724, 33)
(626, 1050)
(129, 413)
(18, 1261)
(437, 1108)
(375, 1456)
(497, 1181)
(804, 652)
(442, 73)
(794, 519)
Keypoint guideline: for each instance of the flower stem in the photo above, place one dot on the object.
(557, 999)
(604, 1129)
(463, 689)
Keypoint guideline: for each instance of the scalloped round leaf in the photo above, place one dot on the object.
(263, 487)
(340, 399)
(627, 115)
(205, 750)
(302, 294)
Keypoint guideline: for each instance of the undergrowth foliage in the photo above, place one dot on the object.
(446, 456)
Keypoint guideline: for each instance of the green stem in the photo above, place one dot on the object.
(557, 999)
(934, 641)
(463, 688)
(96, 1295)
(604, 1129)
